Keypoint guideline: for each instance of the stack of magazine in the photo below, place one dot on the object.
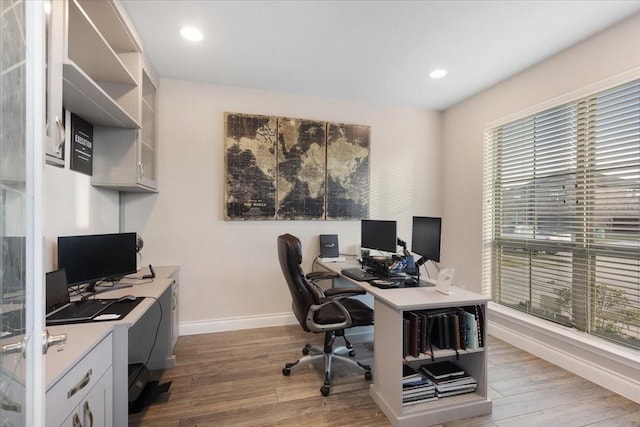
(449, 379)
(416, 388)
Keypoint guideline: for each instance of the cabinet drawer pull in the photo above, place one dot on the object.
(82, 384)
(8, 404)
(87, 413)
(76, 421)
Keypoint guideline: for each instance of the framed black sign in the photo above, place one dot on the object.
(81, 145)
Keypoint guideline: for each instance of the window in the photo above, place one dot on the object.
(561, 230)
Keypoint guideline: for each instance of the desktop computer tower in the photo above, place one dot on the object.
(139, 377)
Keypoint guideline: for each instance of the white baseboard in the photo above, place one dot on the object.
(610, 366)
(237, 323)
(356, 335)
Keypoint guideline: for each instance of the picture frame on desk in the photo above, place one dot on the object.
(445, 279)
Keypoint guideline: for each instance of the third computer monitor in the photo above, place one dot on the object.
(425, 238)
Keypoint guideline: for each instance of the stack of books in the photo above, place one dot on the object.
(448, 378)
(416, 388)
(458, 328)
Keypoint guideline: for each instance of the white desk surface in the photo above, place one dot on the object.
(82, 337)
(409, 298)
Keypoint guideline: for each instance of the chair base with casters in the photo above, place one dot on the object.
(328, 353)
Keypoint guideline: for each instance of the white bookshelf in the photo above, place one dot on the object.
(386, 389)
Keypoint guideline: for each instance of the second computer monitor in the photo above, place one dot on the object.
(379, 235)
(96, 257)
(425, 238)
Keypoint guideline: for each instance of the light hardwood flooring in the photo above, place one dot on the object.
(235, 379)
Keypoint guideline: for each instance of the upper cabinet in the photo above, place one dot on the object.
(125, 159)
(107, 81)
(101, 59)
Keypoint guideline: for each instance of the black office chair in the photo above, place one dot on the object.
(329, 311)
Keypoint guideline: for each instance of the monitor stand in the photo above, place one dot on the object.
(426, 282)
(91, 288)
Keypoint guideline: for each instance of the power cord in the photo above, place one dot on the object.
(155, 338)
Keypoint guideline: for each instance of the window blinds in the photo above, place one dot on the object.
(561, 218)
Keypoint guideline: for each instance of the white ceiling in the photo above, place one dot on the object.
(368, 51)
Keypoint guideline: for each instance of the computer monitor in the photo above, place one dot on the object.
(425, 238)
(97, 257)
(378, 235)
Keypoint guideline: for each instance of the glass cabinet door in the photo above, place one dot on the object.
(147, 148)
(21, 267)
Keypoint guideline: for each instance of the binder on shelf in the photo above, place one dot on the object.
(424, 331)
(405, 337)
(454, 331)
(413, 334)
(442, 370)
(470, 328)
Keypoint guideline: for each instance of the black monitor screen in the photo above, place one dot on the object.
(425, 237)
(91, 258)
(379, 235)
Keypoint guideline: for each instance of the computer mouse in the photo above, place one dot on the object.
(127, 298)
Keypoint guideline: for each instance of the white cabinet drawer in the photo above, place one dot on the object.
(95, 410)
(72, 388)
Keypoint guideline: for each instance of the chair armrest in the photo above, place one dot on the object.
(348, 292)
(315, 276)
(321, 275)
(317, 327)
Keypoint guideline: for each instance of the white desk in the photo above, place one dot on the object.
(131, 340)
(386, 390)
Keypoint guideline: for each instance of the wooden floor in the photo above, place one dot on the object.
(235, 379)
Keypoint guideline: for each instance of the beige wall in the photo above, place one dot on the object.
(72, 206)
(607, 54)
(230, 273)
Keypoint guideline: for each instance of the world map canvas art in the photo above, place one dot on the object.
(250, 163)
(347, 171)
(295, 169)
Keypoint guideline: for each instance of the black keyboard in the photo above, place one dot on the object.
(357, 274)
(79, 311)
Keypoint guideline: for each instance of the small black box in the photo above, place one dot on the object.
(329, 246)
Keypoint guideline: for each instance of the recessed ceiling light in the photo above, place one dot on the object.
(191, 33)
(439, 73)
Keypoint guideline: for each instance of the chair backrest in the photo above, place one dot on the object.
(290, 256)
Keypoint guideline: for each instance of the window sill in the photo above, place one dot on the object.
(613, 367)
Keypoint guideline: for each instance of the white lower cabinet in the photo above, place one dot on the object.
(95, 408)
(83, 397)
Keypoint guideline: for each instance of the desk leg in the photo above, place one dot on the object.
(120, 376)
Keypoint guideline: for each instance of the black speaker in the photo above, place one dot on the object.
(329, 246)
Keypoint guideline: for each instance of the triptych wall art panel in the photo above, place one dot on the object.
(295, 169)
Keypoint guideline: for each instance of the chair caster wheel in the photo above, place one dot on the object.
(367, 376)
(325, 390)
(352, 353)
(305, 351)
(286, 372)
